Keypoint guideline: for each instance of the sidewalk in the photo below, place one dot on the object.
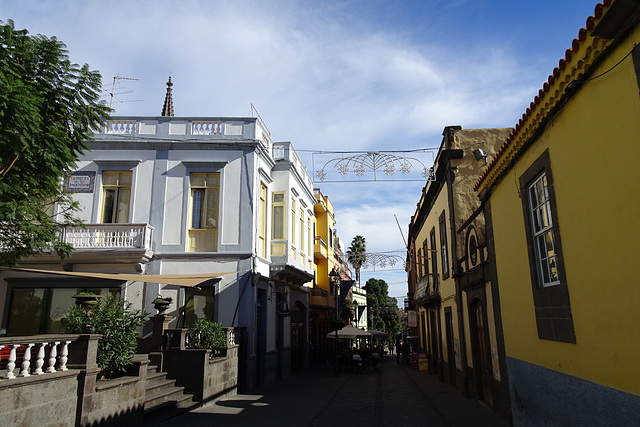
(393, 395)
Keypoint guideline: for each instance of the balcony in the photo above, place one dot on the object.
(320, 248)
(427, 291)
(105, 243)
(283, 151)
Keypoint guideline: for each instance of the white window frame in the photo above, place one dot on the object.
(204, 237)
(542, 231)
(118, 188)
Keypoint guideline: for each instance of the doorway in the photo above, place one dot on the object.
(482, 352)
(451, 354)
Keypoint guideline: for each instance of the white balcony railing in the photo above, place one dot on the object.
(34, 355)
(109, 236)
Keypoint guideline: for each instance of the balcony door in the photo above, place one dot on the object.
(116, 197)
(205, 206)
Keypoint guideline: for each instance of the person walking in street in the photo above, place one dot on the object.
(405, 352)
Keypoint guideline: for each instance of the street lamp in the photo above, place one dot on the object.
(334, 278)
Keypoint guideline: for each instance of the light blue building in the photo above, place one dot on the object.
(171, 202)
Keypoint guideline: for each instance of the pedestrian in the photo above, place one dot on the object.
(398, 350)
(405, 352)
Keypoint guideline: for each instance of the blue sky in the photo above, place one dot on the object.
(326, 75)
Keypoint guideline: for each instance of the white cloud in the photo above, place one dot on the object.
(322, 75)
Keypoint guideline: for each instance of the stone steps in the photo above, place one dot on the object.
(163, 398)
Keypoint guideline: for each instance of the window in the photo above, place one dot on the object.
(116, 197)
(302, 231)
(278, 220)
(542, 230)
(549, 285)
(310, 239)
(472, 249)
(443, 245)
(262, 226)
(199, 305)
(293, 222)
(425, 259)
(420, 264)
(434, 259)
(39, 310)
(205, 199)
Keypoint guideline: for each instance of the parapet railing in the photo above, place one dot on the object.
(97, 236)
(34, 355)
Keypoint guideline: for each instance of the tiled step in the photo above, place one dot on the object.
(163, 398)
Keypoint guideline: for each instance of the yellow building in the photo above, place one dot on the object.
(448, 288)
(562, 195)
(328, 257)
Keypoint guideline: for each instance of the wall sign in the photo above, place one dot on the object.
(80, 182)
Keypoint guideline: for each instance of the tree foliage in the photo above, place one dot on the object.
(48, 109)
(356, 254)
(209, 335)
(118, 324)
(382, 308)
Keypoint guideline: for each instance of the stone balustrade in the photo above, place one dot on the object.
(34, 355)
(97, 236)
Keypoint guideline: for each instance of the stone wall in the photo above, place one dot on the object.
(208, 379)
(45, 400)
(74, 397)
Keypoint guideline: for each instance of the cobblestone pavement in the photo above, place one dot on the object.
(393, 395)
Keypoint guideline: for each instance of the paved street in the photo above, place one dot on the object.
(393, 395)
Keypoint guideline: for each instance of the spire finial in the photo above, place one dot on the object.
(167, 108)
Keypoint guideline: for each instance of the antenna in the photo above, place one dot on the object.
(401, 233)
(113, 87)
(255, 110)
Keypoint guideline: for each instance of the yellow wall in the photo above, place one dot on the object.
(594, 147)
(446, 286)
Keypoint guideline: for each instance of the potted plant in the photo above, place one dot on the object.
(161, 304)
(117, 322)
(86, 298)
(209, 335)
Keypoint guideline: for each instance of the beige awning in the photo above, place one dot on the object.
(168, 279)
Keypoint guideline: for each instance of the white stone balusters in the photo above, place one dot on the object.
(11, 363)
(52, 357)
(64, 352)
(40, 359)
(26, 361)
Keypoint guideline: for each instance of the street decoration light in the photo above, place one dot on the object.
(374, 162)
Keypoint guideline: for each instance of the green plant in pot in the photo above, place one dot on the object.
(86, 298)
(205, 334)
(118, 324)
(161, 303)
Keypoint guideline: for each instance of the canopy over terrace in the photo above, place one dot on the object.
(378, 334)
(187, 280)
(349, 332)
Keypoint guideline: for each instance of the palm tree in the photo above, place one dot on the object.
(356, 254)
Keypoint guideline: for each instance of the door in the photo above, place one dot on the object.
(451, 354)
(297, 337)
(482, 358)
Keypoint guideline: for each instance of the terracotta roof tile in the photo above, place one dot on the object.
(562, 64)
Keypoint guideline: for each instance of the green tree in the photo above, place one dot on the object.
(382, 308)
(356, 254)
(118, 324)
(48, 109)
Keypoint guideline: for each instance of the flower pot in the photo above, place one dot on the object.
(161, 306)
(87, 300)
